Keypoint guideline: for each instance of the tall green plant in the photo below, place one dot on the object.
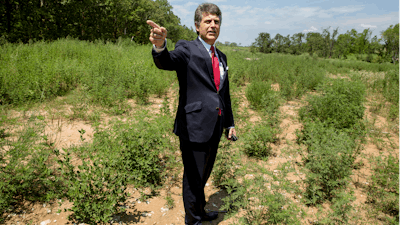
(383, 191)
(262, 97)
(330, 157)
(340, 104)
(25, 170)
(94, 187)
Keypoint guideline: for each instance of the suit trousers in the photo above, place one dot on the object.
(198, 161)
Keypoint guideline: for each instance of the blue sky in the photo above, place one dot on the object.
(243, 20)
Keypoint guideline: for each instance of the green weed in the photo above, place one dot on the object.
(383, 192)
(340, 104)
(330, 157)
(259, 139)
(262, 97)
(94, 187)
(25, 169)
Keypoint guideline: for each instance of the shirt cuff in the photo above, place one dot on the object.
(157, 49)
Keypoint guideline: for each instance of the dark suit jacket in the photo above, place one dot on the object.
(199, 101)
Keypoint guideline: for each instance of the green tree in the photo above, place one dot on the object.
(281, 44)
(23, 20)
(315, 43)
(330, 40)
(391, 38)
(343, 45)
(263, 43)
(297, 42)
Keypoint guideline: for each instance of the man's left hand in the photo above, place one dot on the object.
(231, 131)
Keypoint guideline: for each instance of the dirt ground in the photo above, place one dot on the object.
(154, 211)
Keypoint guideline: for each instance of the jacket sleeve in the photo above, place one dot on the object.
(172, 60)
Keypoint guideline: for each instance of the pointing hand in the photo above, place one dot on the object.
(157, 34)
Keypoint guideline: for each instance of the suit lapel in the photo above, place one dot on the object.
(224, 65)
(207, 60)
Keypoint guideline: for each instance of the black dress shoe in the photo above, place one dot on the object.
(210, 216)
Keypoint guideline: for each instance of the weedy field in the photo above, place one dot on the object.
(86, 137)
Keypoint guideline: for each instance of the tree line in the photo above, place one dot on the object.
(330, 44)
(24, 20)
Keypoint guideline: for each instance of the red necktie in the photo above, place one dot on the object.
(215, 66)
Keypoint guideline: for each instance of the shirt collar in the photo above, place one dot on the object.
(206, 45)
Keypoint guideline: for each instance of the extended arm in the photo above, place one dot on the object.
(164, 59)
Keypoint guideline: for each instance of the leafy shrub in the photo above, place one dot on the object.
(340, 104)
(235, 199)
(341, 209)
(391, 86)
(258, 140)
(227, 168)
(128, 152)
(262, 97)
(25, 172)
(272, 208)
(138, 149)
(94, 187)
(300, 79)
(331, 153)
(383, 192)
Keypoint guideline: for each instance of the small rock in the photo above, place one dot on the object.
(45, 222)
(207, 184)
(55, 221)
(48, 211)
(44, 206)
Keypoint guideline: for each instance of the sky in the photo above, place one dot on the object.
(243, 20)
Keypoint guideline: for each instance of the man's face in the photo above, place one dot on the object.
(209, 28)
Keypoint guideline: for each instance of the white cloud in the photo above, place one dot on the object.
(234, 9)
(215, 1)
(267, 22)
(372, 19)
(346, 9)
(367, 26)
(312, 29)
(183, 11)
(307, 11)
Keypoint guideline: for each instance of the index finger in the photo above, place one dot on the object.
(151, 23)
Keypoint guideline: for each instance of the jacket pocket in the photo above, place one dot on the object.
(194, 106)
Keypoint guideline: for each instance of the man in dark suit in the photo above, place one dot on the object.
(204, 103)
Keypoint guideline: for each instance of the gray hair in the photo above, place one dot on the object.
(206, 8)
